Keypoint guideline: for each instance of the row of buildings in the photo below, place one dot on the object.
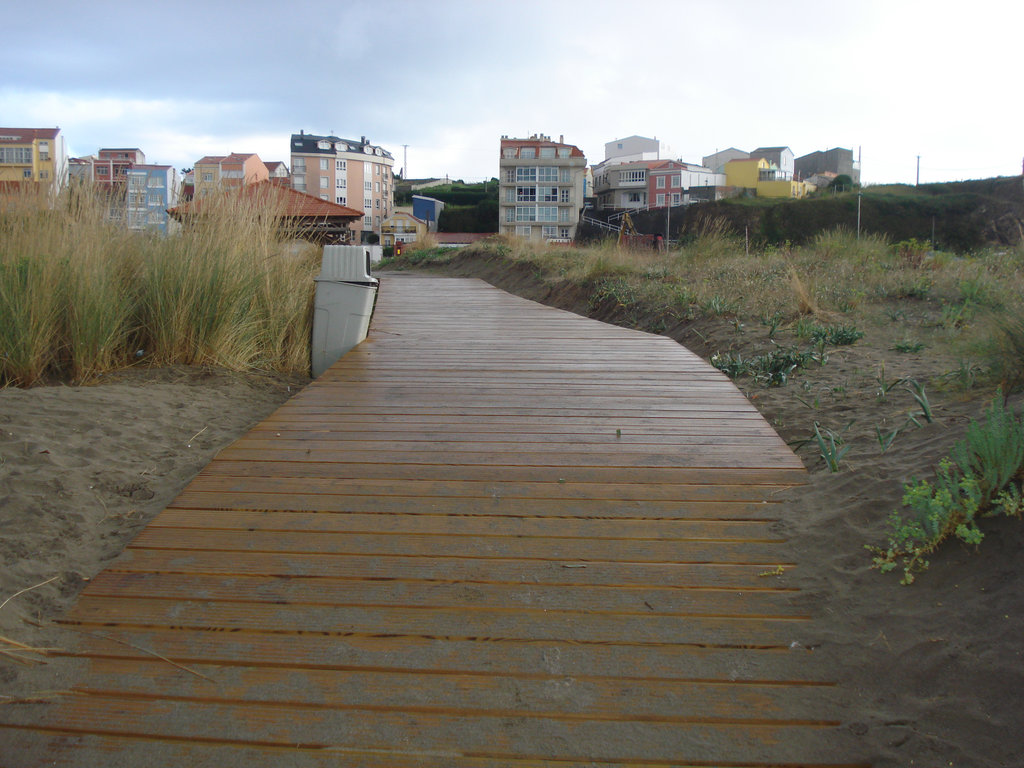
(545, 186)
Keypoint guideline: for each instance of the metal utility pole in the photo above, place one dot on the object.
(918, 182)
(858, 215)
(405, 162)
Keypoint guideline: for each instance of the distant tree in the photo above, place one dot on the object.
(841, 183)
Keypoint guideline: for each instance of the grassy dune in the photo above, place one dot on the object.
(80, 296)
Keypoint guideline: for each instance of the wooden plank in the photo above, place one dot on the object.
(742, 508)
(464, 525)
(356, 469)
(769, 598)
(449, 545)
(425, 489)
(465, 569)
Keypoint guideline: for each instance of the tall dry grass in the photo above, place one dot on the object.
(80, 295)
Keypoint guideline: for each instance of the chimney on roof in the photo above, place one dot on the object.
(364, 140)
(561, 138)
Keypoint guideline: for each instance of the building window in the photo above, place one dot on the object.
(298, 178)
(632, 177)
(323, 144)
(376, 222)
(563, 152)
(676, 180)
(527, 153)
(368, 221)
(526, 213)
(16, 155)
(44, 174)
(563, 214)
(547, 213)
(524, 231)
(323, 197)
(510, 194)
(324, 164)
(633, 197)
(566, 196)
(155, 181)
(526, 194)
(27, 173)
(367, 204)
(340, 200)
(208, 177)
(660, 182)
(339, 165)
(548, 194)
(376, 187)
(675, 198)
(564, 233)
(547, 174)
(526, 174)
(368, 186)
(508, 152)
(377, 203)
(323, 182)
(547, 153)
(340, 183)
(549, 232)
(155, 199)
(660, 200)
(298, 164)
(510, 214)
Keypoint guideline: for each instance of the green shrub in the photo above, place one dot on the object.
(980, 478)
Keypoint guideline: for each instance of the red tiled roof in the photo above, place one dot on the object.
(293, 204)
(22, 135)
(209, 159)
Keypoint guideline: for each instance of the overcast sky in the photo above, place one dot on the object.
(892, 79)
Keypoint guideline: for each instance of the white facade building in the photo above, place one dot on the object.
(541, 188)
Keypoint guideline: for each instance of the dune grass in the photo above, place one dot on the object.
(81, 295)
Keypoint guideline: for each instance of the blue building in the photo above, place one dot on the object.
(427, 209)
(151, 190)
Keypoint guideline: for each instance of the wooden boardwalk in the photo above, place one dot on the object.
(494, 534)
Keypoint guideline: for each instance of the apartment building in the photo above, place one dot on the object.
(541, 187)
(33, 155)
(348, 172)
(234, 170)
(151, 190)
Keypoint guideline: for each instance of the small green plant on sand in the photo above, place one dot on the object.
(831, 447)
(981, 478)
(836, 335)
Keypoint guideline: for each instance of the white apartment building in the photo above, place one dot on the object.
(541, 188)
(348, 172)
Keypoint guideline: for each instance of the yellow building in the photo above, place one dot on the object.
(403, 227)
(745, 173)
(764, 178)
(33, 155)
